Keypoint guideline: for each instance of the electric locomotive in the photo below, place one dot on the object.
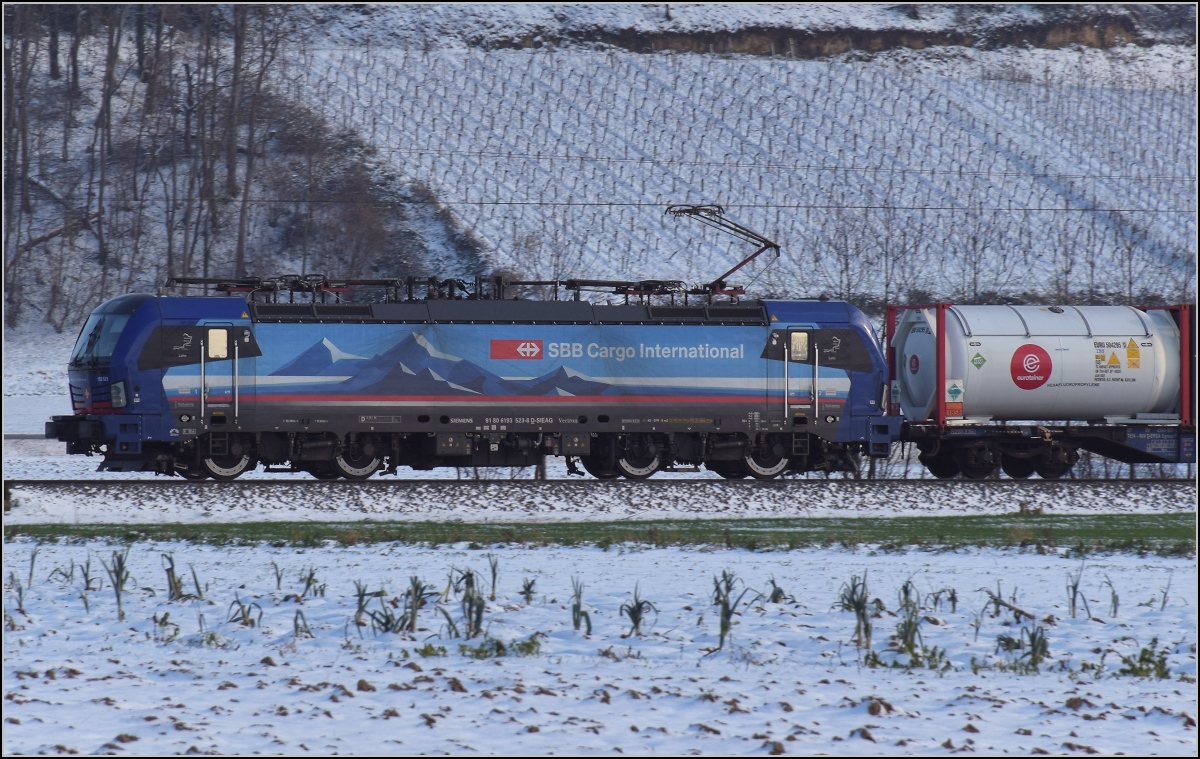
(211, 386)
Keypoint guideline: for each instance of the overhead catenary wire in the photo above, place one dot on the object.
(540, 156)
(651, 204)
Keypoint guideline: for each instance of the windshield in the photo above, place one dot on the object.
(98, 339)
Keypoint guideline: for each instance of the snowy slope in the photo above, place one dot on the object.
(1055, 171)
(530, 24)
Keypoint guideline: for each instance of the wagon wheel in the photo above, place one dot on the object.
(942, 467)
(227, 467)
(1049, 469)
(977, 471)
(358, 466)
(1018, 469)
(969, 464)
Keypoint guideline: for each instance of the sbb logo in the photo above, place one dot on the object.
(566, 350)
(517, 349)
(1030, 367)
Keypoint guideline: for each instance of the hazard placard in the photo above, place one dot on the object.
(1133, 355)
(955, 389)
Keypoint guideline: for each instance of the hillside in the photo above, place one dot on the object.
(976, 153)
(963, 173)
(798, 30)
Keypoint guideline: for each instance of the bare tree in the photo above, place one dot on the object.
(19, 56)
(270, 32)
(845, 257)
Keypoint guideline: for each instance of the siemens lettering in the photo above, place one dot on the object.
(622, 352)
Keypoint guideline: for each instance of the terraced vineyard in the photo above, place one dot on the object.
(1056, 171)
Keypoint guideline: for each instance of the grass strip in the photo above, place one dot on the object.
(1138, 533)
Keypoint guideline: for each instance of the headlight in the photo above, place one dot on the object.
(118, 394)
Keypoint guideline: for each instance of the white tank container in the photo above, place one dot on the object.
(1040, 363)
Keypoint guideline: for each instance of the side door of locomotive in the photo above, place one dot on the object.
(791, 384)
(227, 375)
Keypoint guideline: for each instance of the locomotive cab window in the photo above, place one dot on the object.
(98, 339)
(218, 343)
(99, 336)
(798, 350)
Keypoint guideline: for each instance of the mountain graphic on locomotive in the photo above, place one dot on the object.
(215, 385)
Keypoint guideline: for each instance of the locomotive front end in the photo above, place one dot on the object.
(107, 397)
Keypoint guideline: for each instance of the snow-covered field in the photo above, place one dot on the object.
(184, 677)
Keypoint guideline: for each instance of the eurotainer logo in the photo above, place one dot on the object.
(1030, 367)
(517, 349)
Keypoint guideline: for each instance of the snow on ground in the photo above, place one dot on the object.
(183, 677)
(460, 25)
(35, 364)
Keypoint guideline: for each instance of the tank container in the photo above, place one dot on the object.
(1053, 363)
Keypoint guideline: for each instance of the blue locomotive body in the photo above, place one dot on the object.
(213, 386)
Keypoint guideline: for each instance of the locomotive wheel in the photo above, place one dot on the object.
(323, 471)
(638, 467)
(730, 470)
(354, 467)
(1018, 469)
(942, 467)
(227, 467)
(766, 467)
(639, 459)
(597, 468)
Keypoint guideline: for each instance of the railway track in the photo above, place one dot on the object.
(131, 501)
(588, 483)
